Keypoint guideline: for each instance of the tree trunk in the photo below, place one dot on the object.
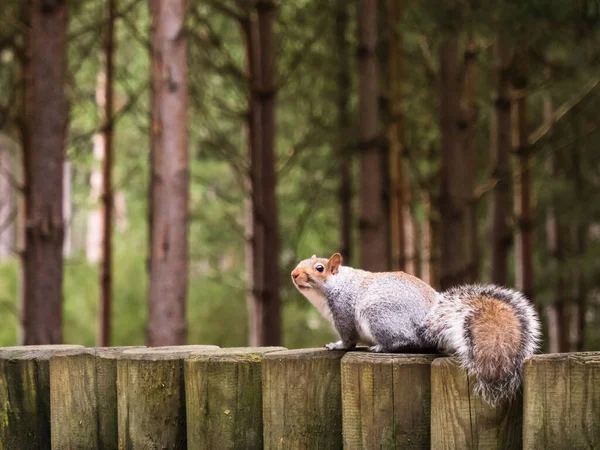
(107, 191)
(170, 194)
(344, 150)
(270, 308)
(581, 232)
(263, 242)
(431, 267)
(44, 226)
(255, 225)
(398, 185)
(24, 122)
(372, 224)
(523, 212)
(467, 124)
(556, 244)
(501, 234)
(453, 198)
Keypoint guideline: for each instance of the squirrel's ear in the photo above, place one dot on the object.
(335, 262)
(313, 257)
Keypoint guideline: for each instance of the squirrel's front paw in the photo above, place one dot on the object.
(339, 345)
(377, 349)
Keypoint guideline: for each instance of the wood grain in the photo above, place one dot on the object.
(386, 400)
(562, 401)
(223, 391)
(460, 419)
(302, 405)
(151, 397)
(25, 395)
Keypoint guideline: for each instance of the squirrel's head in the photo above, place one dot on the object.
(312, 273)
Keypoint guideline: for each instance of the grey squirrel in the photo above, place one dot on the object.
(490, 330)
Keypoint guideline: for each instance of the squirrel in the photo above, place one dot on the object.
(491, 330)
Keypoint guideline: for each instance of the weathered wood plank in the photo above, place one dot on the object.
(25, 395)
(460, 419)
(561, 401)
(151, 398)
(386, 400)
(223, 390)
(83, 399)
(302, 405)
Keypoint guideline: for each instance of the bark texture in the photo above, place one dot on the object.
(467, 122)
(343, 144)
(453, 193)
(262, 247)
(107, 190)
(398, 182)
(501, 238)
(523, 210)
(374, 248)
(170, 192)
(555, 235)
(44, 156)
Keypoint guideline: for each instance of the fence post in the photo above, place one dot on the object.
(460, 419)
(83, 399)
(302, 405)
(151, 399)
(386, 400)
(25, 395)
(223, 391)
(562, 401)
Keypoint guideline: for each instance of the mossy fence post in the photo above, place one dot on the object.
(83, 399)
(460, 419)
(386, 400)
(561, 403)
(25, 395)
(223, 391)
(151, 398)
(302, 405)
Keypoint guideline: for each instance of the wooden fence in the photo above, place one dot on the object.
(205, 397)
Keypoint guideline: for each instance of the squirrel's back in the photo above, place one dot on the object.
(491, 330)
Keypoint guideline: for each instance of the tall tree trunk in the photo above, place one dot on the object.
(343, 123)
(501, 234)
(24, 122)
(270, 308)
(453, 198)
(431, 267)
(467, 123)
(170, 195)
(398, 185)
(107, 191)
(372, 224)
(559, 319)
(44, 227)
(263, 243)
(255, 225)
(523, 212)
(581, 233)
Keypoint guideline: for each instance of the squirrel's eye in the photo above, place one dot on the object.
(319, 267)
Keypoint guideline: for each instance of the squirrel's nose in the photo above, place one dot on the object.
(295, 273)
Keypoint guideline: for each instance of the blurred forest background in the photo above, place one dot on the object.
(458, 141)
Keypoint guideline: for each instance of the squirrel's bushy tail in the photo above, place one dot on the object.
(491, 330)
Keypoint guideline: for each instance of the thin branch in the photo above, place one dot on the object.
(561, 112)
